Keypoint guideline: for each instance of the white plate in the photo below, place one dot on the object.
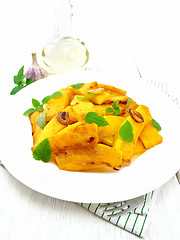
(149, 171)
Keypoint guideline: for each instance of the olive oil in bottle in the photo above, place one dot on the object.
(66, 54)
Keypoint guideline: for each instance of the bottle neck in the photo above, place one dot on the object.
(63, 19)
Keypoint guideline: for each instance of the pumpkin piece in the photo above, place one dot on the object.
(139, 148)
(77, 100)
(112, 89)
(101, 109)
(120, 98)
(36, 129)
(138, 127)
(84, 89)
(126, 147)
(72, 117)
(107, 133)
(101, 98)
(80, 110)
(52, 127)
(52, 160)
(83, 159)
(80, 134)
(150, 136)
(108, 140)
(108, 97)
(55, 105)
(132, 104)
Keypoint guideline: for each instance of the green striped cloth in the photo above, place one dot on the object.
(135, 222)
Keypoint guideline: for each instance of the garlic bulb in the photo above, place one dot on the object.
(35, 72)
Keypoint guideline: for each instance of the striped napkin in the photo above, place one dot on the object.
(136, 221)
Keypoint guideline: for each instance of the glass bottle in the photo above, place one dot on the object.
(65, 53)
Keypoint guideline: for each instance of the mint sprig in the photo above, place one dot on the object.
(114, 109)
(43, 151)
(126, 132)
(93, 117)
(156, 124)
(77, 86)
(39, 106)
(20, 81)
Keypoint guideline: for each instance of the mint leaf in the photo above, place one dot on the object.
(20, 76)
(125, 132)
(43, 151)
(21, 71)
(46, 99)
(29, 111)
(49, 97)
(56, 94)
(77, 86)
(156, 124)
(86, 96)
(109, 110)
(41, 120)
(35, 103)
(15, 90)
(115, 103)
(116, 111)
(93, 117)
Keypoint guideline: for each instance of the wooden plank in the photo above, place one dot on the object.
(164, 222)
(26, 214)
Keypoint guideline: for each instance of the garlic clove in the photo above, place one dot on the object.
(35, 72)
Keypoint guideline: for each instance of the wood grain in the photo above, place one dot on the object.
(26, 214)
